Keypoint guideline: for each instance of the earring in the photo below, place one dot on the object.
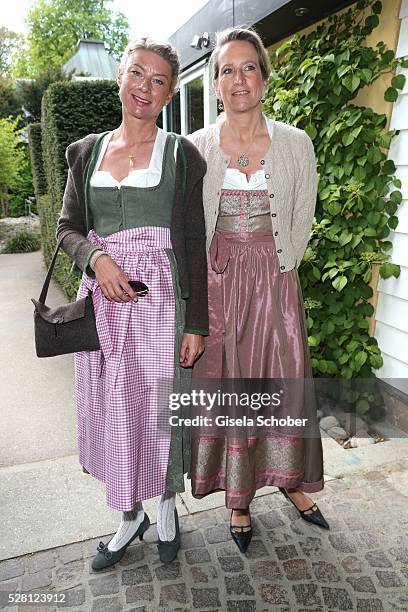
(263, 99)
(220, 105)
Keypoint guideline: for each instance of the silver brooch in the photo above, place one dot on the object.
(243, 161)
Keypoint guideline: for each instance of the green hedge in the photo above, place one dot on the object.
(68, 281)
(37, 165)
(70, 111)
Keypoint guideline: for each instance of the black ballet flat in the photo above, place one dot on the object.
(242, 539)
(316, 517)
(168, 549)
(106, 558)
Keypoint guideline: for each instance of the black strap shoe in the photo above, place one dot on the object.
(242, 539)
(106, 557)
(315, 517)
(168, 550)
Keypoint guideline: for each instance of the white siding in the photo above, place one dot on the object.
(392, 308)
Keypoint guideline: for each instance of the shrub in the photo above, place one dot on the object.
(62, 271)
(23, 242)
(70, 111)
(12, 160)
(36, 156)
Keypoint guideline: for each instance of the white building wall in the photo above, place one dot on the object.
(392, 308)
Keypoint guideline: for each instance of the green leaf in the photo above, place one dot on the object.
(396, 197)
(391, 94)
(345, 238)
(351, 82)
(377, 7)
(362, 406)
(311, 130)
(376, 361)
(342, 70)
(360, 359)
(316, 273)
(313, 340)
(339, 282)
(373, 217)
(398, 81)
(366, 74)
(370, 231)
(389, 167)
(322, 366)
(334, 208)
(352, 345)
(347, 138)
(393, 222)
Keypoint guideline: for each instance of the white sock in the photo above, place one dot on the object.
(129, 524)
(166, 526)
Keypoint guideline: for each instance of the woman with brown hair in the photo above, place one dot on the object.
(259, 199)
(132, 221)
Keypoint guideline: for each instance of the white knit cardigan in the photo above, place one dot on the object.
(291, 177)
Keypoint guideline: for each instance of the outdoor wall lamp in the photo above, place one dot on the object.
(199, 42)
(300, 12)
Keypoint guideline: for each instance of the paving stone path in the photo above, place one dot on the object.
(360, 564)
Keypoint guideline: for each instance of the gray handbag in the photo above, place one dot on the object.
(65, 329)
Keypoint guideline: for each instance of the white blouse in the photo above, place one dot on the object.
(145, 177)
(234, 178)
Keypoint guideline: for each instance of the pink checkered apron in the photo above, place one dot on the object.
(116, 387)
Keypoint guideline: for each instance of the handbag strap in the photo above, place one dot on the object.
(44, 290)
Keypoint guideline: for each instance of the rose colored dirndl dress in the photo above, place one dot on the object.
(257, 330)
(124, 437)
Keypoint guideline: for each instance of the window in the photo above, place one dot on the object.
(195, 106)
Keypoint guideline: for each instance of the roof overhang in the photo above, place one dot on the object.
(273, 20)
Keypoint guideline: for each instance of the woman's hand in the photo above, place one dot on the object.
(113, 281)
(192, 345)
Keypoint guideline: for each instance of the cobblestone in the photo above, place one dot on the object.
(274, 594)
(389, 579)
(296, 569)
(239, 585)
(173, 593)
(231, 564)
(337, 598)
(325, 572)
(363, 584)
(169, 571)
(378, 558)
(11, 569)
(289, 566)
(139, 593)
(203, 598)
(104, 585)
(266, 570)
(40, 561)
(197, 555)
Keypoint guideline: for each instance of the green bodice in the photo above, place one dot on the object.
(113, 209)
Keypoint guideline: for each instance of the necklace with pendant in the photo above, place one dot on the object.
(243, 160)
(131, 160)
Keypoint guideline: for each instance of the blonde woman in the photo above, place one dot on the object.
(259, 200)
(132, 220)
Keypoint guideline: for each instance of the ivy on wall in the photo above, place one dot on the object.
(314, 79)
